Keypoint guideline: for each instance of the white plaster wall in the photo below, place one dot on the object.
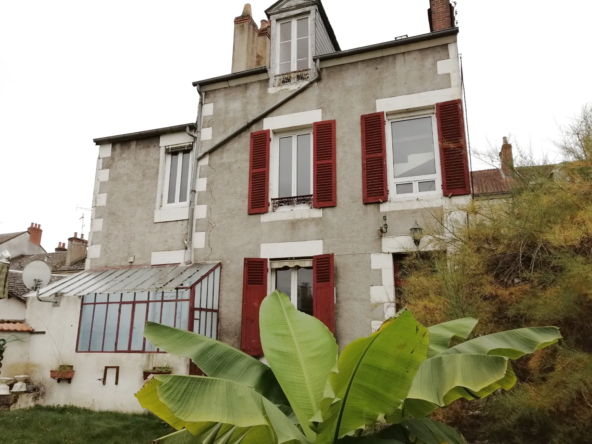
(12, 309)
(21, 245)
(35, 355)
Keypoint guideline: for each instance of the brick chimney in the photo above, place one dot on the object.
(251, 44)
(61, 247)
(76, 249)
(441, 15)
(507, 159)
(35, 233)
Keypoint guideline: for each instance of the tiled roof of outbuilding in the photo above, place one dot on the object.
(9, 236)
(490, 182)
(15, 326)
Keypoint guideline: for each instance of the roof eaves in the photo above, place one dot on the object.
(389, 44)
(232, 76)
(143, 134)
(10, 236)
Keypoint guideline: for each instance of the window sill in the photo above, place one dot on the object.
(292, 213)
(171, 214)
(414, 203)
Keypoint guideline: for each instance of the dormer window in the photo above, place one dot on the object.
(294, 46)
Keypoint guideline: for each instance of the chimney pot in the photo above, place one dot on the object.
(82, 236)
(75, 234)
(247, 10)
(264, 24)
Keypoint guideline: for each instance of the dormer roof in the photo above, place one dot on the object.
(293, 5)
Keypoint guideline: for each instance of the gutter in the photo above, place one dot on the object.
(387, 45)
(233, 76)
(141, 134)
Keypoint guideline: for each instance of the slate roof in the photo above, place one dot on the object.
(490, 182)
(15, 326)
(56, 261)
(9, 236)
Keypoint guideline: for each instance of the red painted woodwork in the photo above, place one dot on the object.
(374, 171)
(254, 291)
(324, 290)
(453, 149)
(325, 166)
(259, 173)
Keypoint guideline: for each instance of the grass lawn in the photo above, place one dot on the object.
(70, 425)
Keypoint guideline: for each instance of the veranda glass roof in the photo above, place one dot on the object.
(127, 280)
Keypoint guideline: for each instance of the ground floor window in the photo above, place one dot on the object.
(295, 279)
(114, 322)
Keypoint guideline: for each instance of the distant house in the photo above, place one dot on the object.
(23, 242)
(64, 261)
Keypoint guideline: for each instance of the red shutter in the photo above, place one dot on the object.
(254, 291)
(453, 149)
(325, 168)
(259, 173)
(374, 175)
(324, 290)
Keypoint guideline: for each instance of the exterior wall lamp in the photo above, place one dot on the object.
(416, 234)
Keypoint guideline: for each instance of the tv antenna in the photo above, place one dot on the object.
(81, 219)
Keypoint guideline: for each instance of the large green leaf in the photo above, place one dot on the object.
(217, 359)
(424, 431)
(180, 437)
(369, 440)
(442, 334)
(446, 378)
(373, 378)
(301, 351)
(512, 344)
(218, 410)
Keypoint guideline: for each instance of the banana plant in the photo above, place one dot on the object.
(379, 390)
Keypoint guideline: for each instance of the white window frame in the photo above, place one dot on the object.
(275, 165)
(293, 282)
(393, 182)
(167, 175)
(294, 41)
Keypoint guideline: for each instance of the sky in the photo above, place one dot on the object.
(72, 71)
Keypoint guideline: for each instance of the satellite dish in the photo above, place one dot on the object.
(36, 275)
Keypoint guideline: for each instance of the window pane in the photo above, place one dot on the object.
(115, 297)
(286, 32)
(285, 52)
(127, 297)
(427, 186)
(302, 49)
(142, 296)
(125, 321)
(102, 298)
(214, 326)
(304, 173)
(85, 324)
(283, 281)
(285, 182)
(96, 341)
(89, 298)
(168, 314)
(154, 311)
(216, 288)
(285, 67)
(305, 290)
(184, 177)
(138, 327)
(111, 328)
(302, 64)
(405, 188)
(156, 296)
(413, 148)
(182, 318)
(170, 295)
(173, 177)
(302, 28)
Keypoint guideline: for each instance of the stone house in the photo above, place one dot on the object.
(310, 169)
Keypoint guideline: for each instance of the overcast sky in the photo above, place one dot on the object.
(73, 70)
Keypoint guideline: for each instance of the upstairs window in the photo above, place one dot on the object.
(176, 181)
(295, 182)
(294, 48)
(414, 157)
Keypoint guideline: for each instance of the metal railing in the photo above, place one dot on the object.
(291, 201)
